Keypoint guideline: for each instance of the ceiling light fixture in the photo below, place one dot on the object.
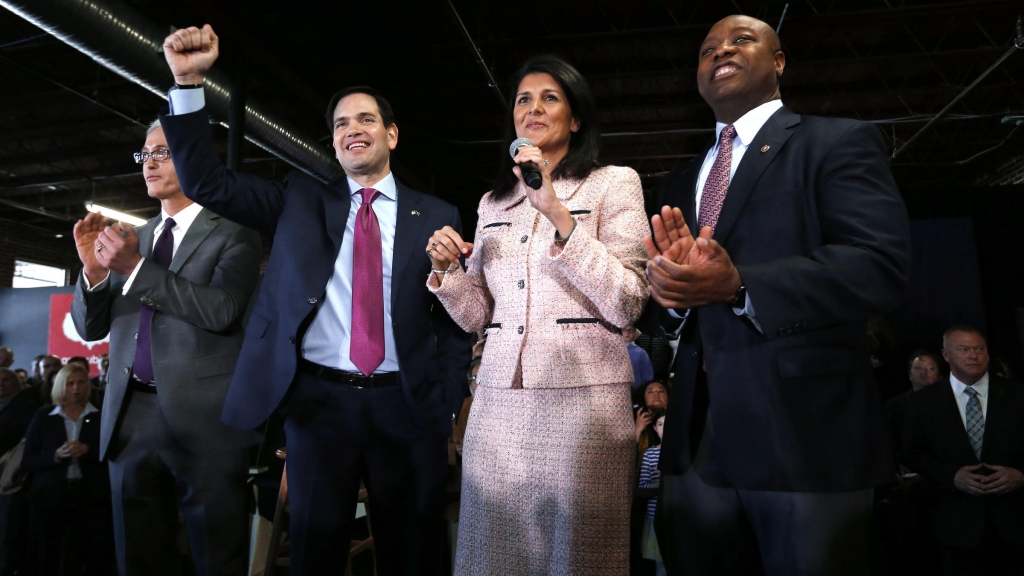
(114, 214)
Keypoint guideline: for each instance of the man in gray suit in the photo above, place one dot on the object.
(171, 295)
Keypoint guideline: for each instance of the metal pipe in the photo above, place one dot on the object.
(38, 211)
(476, 52)
(1018, 44)
(115, 35)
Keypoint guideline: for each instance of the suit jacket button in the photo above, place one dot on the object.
(312, 300)
(127, 370)
(524, 238)
(291, 339)
(694, 354)
(520, 329)
(522, 284)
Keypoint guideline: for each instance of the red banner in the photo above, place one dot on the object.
(64, 339)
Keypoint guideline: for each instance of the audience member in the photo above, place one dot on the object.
(642, 370)
(1001, 368)
(80, 360)
(48, 368)
(100, 382)
(923, 370)
(660, 351)
(6, 357)
(17, 405)
(70, 532)
(652, 395)
(650, 477)
(22, 375)
(966, 436)
(37, 371)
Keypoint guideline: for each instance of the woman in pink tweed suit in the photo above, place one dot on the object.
(555, 275)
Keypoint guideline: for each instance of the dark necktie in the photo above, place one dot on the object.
(717, 184)
(366, 345)
(162, 253)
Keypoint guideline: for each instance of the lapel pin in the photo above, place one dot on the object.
(765, 148)
(415, 212)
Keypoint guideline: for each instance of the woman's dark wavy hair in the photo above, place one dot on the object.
(584, 144)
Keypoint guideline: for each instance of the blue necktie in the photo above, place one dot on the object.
(162, 253)
(975, 420)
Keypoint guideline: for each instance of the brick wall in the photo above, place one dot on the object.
(1008, 173)
(19, 242)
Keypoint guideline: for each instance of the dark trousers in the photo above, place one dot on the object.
(151, 478)
(337, 436)
(993, 557)
(70, 533)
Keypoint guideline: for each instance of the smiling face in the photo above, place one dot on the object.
(740, 63)
(161, 178)
(362, 142)
(542, 114)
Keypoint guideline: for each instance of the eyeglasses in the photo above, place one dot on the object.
(161, 155)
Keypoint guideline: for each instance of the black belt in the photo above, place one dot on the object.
(140, 386)
(353, 379)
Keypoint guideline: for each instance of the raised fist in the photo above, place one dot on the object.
(191, 52)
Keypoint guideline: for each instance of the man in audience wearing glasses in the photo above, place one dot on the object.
(171, 294)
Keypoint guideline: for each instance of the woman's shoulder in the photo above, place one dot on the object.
(614, 173)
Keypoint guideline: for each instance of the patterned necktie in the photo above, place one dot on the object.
(162, 253)
(975, 420)
(717, 184)
(366, 347)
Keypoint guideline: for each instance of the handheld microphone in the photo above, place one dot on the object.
(531, 174)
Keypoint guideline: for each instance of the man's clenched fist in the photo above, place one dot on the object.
(191, 52)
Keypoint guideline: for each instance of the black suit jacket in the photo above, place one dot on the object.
(816, 227)
(937, 446)
(46, 476)
(15, 418)
(307, 220)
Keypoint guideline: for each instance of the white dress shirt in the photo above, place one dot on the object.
(182, 221)
(73, 428)
(327, 341)
(747, 127)
(981, 387)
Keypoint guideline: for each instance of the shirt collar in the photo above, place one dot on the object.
(386, 186)
(750, 123)
(981, 386)
(59, 411)
(184, 218)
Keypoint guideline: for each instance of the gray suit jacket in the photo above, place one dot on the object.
(196, 332)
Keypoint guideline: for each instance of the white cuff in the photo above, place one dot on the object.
(131, 278)
(748, 311)
(185, 100)
(100, 284)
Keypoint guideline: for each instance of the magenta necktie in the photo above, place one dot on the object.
(366, 347)
(717, 184)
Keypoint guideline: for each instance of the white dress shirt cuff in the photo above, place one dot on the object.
(131, 278)
(185, 100)
(748, 311)
(100, 284)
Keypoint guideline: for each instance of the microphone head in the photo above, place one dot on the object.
(517, 144)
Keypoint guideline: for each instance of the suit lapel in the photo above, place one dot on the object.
(201, 227)
(145, 233)
(773, 134)
(408, 226)
(337, 203)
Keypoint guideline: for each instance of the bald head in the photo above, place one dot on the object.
(739, 66)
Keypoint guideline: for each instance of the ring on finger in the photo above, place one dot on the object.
(429, 250)
(100, 249)
(433, 245)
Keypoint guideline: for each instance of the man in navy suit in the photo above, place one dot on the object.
(775, 436)
(966, 437)
(373, 367)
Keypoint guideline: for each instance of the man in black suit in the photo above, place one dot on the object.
(966, 436)
(171, 295)
(775, 436)
(373, 366)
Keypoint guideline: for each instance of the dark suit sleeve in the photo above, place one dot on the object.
(454, 349)
(37, 455)
(215, 306)
(917, 448)
(242, 198)
(862, 265)
(90, 311)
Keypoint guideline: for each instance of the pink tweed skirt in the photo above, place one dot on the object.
(546, 484)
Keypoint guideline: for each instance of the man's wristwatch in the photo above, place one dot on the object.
(740, 299)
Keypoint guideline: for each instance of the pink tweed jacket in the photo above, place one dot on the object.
(554, 314)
